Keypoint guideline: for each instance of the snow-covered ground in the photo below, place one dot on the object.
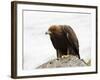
(37, 47)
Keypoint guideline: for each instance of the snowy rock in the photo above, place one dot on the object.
(65, 61)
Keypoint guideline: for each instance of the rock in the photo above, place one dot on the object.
(65, 61)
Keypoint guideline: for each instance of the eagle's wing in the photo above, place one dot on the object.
(72, 38)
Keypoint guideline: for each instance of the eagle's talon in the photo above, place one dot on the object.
(58, 59)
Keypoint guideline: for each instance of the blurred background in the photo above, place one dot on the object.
(37, 47)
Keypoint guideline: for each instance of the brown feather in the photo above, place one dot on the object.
(64, 40)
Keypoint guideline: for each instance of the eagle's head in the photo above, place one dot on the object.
(54, 30)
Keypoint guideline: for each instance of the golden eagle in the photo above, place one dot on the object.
(64, 40)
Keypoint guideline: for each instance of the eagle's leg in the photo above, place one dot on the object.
(58, 55)
(68, 51)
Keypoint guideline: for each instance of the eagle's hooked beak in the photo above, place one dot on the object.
(48, 32)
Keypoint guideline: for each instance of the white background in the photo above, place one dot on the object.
(5, 41)
(38, 48)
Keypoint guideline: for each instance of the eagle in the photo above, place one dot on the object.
(64, 40)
